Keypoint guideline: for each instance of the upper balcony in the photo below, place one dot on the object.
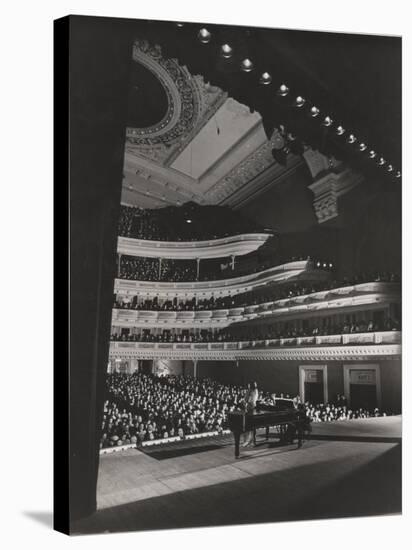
(222, 287)
(235, 245)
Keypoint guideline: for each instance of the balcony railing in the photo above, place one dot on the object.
(329, 347)
(237, 245)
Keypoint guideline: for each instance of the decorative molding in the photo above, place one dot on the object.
(224, 287)
(233, 351)
(252, 166)
(320, 303)
(224, 247)
(328, 189)
(191, 103)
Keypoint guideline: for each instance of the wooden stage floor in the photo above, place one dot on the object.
(350, 468)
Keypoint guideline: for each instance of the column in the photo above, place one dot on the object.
(197, 268)
(194, 368)
(233, 261)
(160, 268)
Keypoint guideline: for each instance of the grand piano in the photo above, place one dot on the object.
(289, 421)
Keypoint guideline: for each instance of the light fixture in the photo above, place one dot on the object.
(327, 121)
(318, 264)
(381, 161)
(314, 112)
(188, 221)
(331, 265)
(204, 36)
(351, 139)
(372, 154)
(265, 78)
(246, 65)
(340, 130)
(226, 51)
(283, 90)
(180, 25)
(389, 168)
(398, 174)
(300, 101)
(362, 147)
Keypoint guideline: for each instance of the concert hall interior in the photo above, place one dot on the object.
(249, 235)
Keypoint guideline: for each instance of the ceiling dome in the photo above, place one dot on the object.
(148, 101)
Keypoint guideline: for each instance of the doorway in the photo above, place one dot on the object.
(362, 386)
(313, 383)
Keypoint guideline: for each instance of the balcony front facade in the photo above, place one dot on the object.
(225, 247)
(360, 346)
(373, 296)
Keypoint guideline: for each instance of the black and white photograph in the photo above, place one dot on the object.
(239, 251)
(205, 275)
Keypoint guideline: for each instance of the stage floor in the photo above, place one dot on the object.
(350, 468)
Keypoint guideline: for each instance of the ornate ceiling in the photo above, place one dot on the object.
(206, 147)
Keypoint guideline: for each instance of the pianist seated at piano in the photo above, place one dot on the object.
(251, 398)
(287, 415)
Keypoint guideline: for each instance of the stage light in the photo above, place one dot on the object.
(265, 79)
(398, 174)
(246, 65)
(351, 139)
(340, 130)
(204, 36)
(226, 51)
(327, 121)
(362, 147)
(389, 168)
(283, 90)
(381, 161)
(372, 154)
(314, 112)
(300, 101)
(318, 264)
(331, 265)
(180, 25)
(188, 221)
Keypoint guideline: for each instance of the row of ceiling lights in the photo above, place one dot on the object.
(247, 66)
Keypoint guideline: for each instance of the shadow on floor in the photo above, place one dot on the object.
(312, 491)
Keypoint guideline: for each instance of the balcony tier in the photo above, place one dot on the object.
(236, 245)
(349, 298)
(302, 270)
(340, 347)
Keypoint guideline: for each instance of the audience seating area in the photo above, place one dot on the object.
(241, 332)
(189, 222)
(139, 268)
(255, 297)
(141, 407)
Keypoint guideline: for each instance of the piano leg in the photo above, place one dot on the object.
(237, 444)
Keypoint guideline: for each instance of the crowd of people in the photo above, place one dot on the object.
(151, 269)
(250, 332)
(143, 407)
(265, 294)
(139, 268)
(189, 222)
